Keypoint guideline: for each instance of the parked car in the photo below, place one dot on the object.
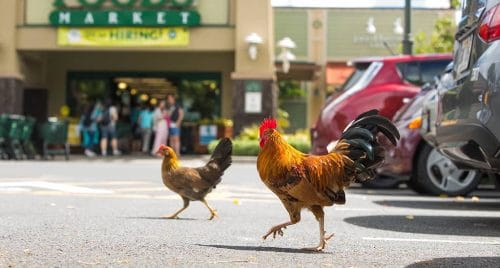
(416, 161)
(383, 83)
(468, 121)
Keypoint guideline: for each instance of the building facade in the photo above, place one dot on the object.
(331, 34)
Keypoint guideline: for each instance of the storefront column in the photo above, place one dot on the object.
(318, 54)
(254, 81)
(11, 88)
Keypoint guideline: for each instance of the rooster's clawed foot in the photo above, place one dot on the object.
(321, 245)
(275, 230)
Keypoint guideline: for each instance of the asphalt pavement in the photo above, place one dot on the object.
(108, 212)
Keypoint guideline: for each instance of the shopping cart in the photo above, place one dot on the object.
(54, 134)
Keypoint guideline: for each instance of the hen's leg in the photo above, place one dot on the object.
(320, 216)
(175, 215)
(278, 229)
(213, 212)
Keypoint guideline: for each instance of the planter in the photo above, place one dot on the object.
(204, 134)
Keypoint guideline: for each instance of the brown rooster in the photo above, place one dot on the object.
(193, 184)
(312, 182)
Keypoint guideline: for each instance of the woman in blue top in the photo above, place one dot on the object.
(145, 122)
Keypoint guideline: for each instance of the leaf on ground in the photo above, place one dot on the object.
(475, 199)
(459, 198)
(410, 217)
(237, 202)
(443, 196)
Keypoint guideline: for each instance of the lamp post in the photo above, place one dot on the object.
(286, 44)
(407, 42)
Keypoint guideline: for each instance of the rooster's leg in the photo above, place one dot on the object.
(294, 213)
(320, 216)
(213, 212)
(175, 215)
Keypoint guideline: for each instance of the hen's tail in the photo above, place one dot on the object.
(222, 154)
(359, 143)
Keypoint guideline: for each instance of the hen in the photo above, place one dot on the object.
(193, 184)
(312, 182)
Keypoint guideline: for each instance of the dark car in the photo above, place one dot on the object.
(468, 121)
(415, 160)
(383, 83)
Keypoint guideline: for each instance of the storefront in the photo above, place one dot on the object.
(64, 53)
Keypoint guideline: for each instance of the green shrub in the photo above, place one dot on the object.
(240, 147)
(247, 143)
(251, 147)
(249, 133)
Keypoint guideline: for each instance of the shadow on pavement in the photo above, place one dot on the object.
(269, 249)
(388, 192)
(446, 205)
(458, 262)
(443, 225)
(162, 218)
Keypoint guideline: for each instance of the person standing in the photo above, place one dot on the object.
(176, 116)
(160, 126)
(88, 128)
(108, 119)
(146, 127)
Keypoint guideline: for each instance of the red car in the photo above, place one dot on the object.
(383, 83)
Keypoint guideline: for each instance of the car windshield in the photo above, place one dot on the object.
(361, 68)
(362, 76)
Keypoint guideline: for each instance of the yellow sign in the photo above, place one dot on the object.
(123, 36)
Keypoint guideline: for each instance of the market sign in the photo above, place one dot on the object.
(159, 13)
(123, 36)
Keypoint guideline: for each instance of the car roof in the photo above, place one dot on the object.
(404, 58)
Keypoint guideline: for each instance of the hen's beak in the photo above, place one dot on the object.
(162, 152)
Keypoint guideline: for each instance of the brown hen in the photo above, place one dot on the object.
(193, 184)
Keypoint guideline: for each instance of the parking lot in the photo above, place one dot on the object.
(109, 213)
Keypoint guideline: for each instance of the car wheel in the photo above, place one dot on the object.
(436, 174)
(382, 182)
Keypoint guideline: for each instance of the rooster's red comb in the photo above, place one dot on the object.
(266, 124)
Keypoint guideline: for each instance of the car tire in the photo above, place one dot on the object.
(435, 174)
(382, 182)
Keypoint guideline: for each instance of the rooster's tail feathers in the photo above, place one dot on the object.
(363, 149)
(222, 154)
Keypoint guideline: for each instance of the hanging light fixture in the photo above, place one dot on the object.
(122, 85)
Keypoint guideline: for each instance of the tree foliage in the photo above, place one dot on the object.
(455, 4)
(290, 89)
(441, 39)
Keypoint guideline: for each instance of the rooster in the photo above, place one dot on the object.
(313, 182)
(193, 184)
